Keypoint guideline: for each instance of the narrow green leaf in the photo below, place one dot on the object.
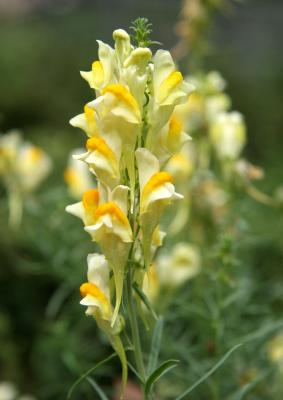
(209, 373)
(158, 373)
(261, 332)
(87, 373)
(97, 388)
(155, 345)
(145, 300)
(56, 301)
(132, 368)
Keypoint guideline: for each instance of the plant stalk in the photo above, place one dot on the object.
(134, 326)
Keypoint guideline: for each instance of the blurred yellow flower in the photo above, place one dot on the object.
(182, 264)
(228, 135)
(275, 350)
(151, 284)
(23, 167)
(8, 391)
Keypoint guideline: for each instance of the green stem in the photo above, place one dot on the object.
(134, 326)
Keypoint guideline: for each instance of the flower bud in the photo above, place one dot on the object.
(122, 44)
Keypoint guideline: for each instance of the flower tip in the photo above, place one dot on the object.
(178, 196)
(68, 209)
(140, 55)
(142, 51)
(83, 73)
(120, 34)
(73, 122)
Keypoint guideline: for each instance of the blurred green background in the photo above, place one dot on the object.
(44, 44)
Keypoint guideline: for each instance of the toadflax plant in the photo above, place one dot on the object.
(132, 134)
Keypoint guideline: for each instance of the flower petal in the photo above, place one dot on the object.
(148, 165)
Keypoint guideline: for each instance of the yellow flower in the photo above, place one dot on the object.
(171, 139)
(180, 167)
(86, 121)
(118, 113)
(96, 293)
(102, 70)
(110, 219)
(96, 297)
(33, 165)
(151, 285)
(103, 158)
(205, 103)
(215, 104)
(136, 71)
(168, 84)
(156, 191)
(228, 135)
(169, 89)
(275, 349)
(27, 165)
(86, 208)
(8, 391)
(155, 185)
(116, 101)
(182, 264)
(112, 231)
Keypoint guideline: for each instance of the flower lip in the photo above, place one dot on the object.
(169, 83)
(115, 212)
(123, 95)
(98, 72)
(158, 179)
(99, 144)
(92, 289)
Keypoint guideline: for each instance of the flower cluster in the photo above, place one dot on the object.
(132, 132)
(219, 137)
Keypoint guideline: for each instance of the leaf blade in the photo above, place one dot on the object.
(209, 372)
(165, 367)
(155, 345)
(97, 388)
(88, 372)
